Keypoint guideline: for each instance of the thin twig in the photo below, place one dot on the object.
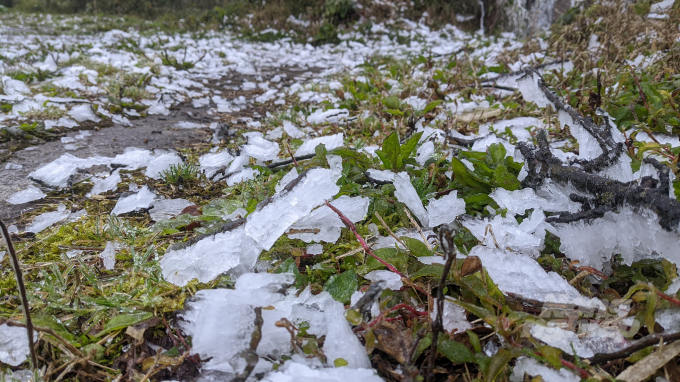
(413, 221)
(446, 234)
(650, 340)
(382, 221)
(49, 331)
(22, 291)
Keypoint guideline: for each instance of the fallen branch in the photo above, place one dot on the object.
(650, 340)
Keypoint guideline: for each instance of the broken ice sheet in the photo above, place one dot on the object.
(531, 367)
(565, 340)
(551, 197)
(260, 148)
(108, 255)
(141, 200)
(102, 185)
(82, 113)
(445, 209)
(528, 86)
(30, 194)
(332, 116)
(392, 280)
(341, 342)
(326, 222)
(505, 232)
(213, 162)
(454, 317)
(161, 163)
(271, 220)
(329, 141)
(292, 174)
(406, 193)
(13, 345)
(168, 208)
(521, 275)
(210, 257)
(41, 222)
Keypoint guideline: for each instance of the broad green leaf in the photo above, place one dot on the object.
(652, 301)
(504, 179)
(122, 321)
(339, 362)
(391, 102)
(390, 151)
(463, 174)
(474, 340)
(430, 106)
(52, 323)
(431, 270)
(497, 153)
(407, 149)
(454, 351)
(398, 259)
(553, 355)
(478, 311)
(499, 361)
(395, 112)
(341, 286)
(417, 247)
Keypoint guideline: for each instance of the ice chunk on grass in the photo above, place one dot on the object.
(565, 340)
(28, 195)
(406, 193)
(392, 280)
(531, 367)
(445, 209)
(341, 342)
(260, 148)
(161, 163)
(168, 208)
(383, 176)
(82, 113)
(332, 116)
(523, 276)
(330, 141)
(292, 130)
(506, 233)
(14, 347)
(271, 220)
(528, 86)
(141, 200)
(41, 222)
(633, 235)
(292, 174)
(454, 317)
(108, 255)
(56, 173)
(106, 184)
(211, 163)
(327, 222)
(210, 257)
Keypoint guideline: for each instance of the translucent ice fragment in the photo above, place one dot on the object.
(292, 174)
(14, 347)
(141, 200)
(270, 221)
(292, 130)
(424, 152)
(314, 249)
(332, 116)
(210, 257)
(330, 141)
(406, 193)
(445, 209)
(160, 164)
(108, 255)
(168, 208)
(341, 342)
(261, 149)
(323, 224)
(392, 280)
(528, 86)
(28, 195)
(454, 317)
(382, 176)
(106, 184)
(531, 367)
(41, 222)
(211, 163)
(82, 113)
(561, 339)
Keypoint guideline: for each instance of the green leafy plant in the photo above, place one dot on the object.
(394, 155)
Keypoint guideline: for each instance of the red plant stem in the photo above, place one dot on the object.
(361, 240)
(583, 374)
(668, 298)
(291, 155)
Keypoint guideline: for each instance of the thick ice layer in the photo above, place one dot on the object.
(445, 209)
(28, 195)
(522, 275)
(290, 176)
(533, 368)
(210, 257)
(454, 317)
(260, 148)
(406, 193)
(392, 280)
(168, 208)
(160, 164)
(298, 372)
(213, 162)
(341, 342)
(327, 222)
(504, 232)
(13, 345)
(633, 235)
(528, 86)
(43, 221)
(141, 200)
(562, 339)
(330, 141)
(270, 221)
(106, 184)
(553, 198)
